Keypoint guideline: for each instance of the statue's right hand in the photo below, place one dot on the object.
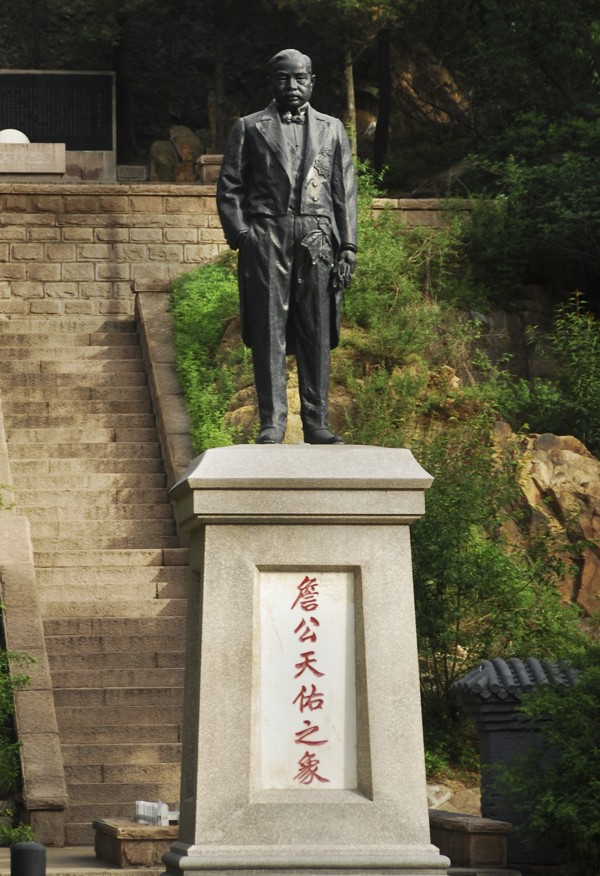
(241, 239)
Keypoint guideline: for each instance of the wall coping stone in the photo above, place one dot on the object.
(106, 188)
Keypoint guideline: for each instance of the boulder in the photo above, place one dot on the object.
(188, 148)
(560, 480)
(163, 161)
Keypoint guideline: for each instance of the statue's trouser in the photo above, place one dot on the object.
(285, 268)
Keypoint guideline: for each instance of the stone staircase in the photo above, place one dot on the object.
(112, 578)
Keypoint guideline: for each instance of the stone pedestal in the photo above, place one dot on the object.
(302, 748)
(32, 158)
(470, 841)
(124, 843)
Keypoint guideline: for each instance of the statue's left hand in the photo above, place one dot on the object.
(344, 268)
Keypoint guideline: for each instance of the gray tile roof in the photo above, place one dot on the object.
(509, 679)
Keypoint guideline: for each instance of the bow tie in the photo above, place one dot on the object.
(297, 118)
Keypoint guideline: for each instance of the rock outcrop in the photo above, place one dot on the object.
(560, 480)
(174, 160)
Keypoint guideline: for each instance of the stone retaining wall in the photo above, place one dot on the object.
(84, 249)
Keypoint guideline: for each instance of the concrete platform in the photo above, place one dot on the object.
(78, 861)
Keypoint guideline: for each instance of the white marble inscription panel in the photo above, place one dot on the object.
(307, 682)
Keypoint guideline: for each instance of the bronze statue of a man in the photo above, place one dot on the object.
(287, 200)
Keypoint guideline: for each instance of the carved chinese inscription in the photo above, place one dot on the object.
(307, 723)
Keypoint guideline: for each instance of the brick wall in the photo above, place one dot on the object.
(84, 249)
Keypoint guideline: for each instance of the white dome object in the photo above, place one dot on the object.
(9, 135)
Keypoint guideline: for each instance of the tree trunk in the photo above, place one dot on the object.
(380, 146)
(125, 136)
(219, 92)
(350, 100)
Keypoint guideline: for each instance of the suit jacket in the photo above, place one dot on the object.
(256, 176)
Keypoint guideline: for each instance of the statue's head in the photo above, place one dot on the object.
(290, 75)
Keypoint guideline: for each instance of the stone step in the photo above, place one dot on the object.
(93, 506)
(138, 697)
(56, 383)
(112, 578)
(149, 607)
(62, 352)
(57, 407)
(157, 643)
(66, 395)
(94, 481)
(123, 579)
(118, 792)
(119, 753)
(69, 468)
(100, 510)
(64, 325)
(71, 340)
(135, 660)
(99, 496)
(113, 626)
(116, 733)
(69, 450)
(71, 366)
(105, 534)
(106, 542)
(88, 434)
(91, 583)
(103, 773)
(101, 593)
(94, 717)
(85, 434)
(141, 679)
(15, 422)
(113, 559)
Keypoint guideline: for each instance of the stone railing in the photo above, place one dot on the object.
(44, 789)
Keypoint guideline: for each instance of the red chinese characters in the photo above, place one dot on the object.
(306, 605)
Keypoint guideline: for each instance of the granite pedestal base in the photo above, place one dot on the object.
(302, 745)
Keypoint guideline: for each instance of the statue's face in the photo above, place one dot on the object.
(291, 83)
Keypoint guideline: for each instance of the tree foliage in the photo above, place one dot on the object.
(556, 786)
(510, 85)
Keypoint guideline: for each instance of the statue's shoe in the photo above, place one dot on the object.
(270, 435)
(322, 436)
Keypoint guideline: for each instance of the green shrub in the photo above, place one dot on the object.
(569, 402)
(479, 592)
(556, 786)
(11, 834)
(203, 302)
(10, 681)
(575, 344)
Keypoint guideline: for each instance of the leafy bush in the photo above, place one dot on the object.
(575, 343)
(556, 786)
(547, 209)
(203, 302)
(569, 402)
(479, 591)
(14, 833)
(10, 766)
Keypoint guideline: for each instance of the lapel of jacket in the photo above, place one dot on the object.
(318, 130)
(269, 126)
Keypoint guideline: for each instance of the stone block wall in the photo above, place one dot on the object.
(417, 212)
(84, 249)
